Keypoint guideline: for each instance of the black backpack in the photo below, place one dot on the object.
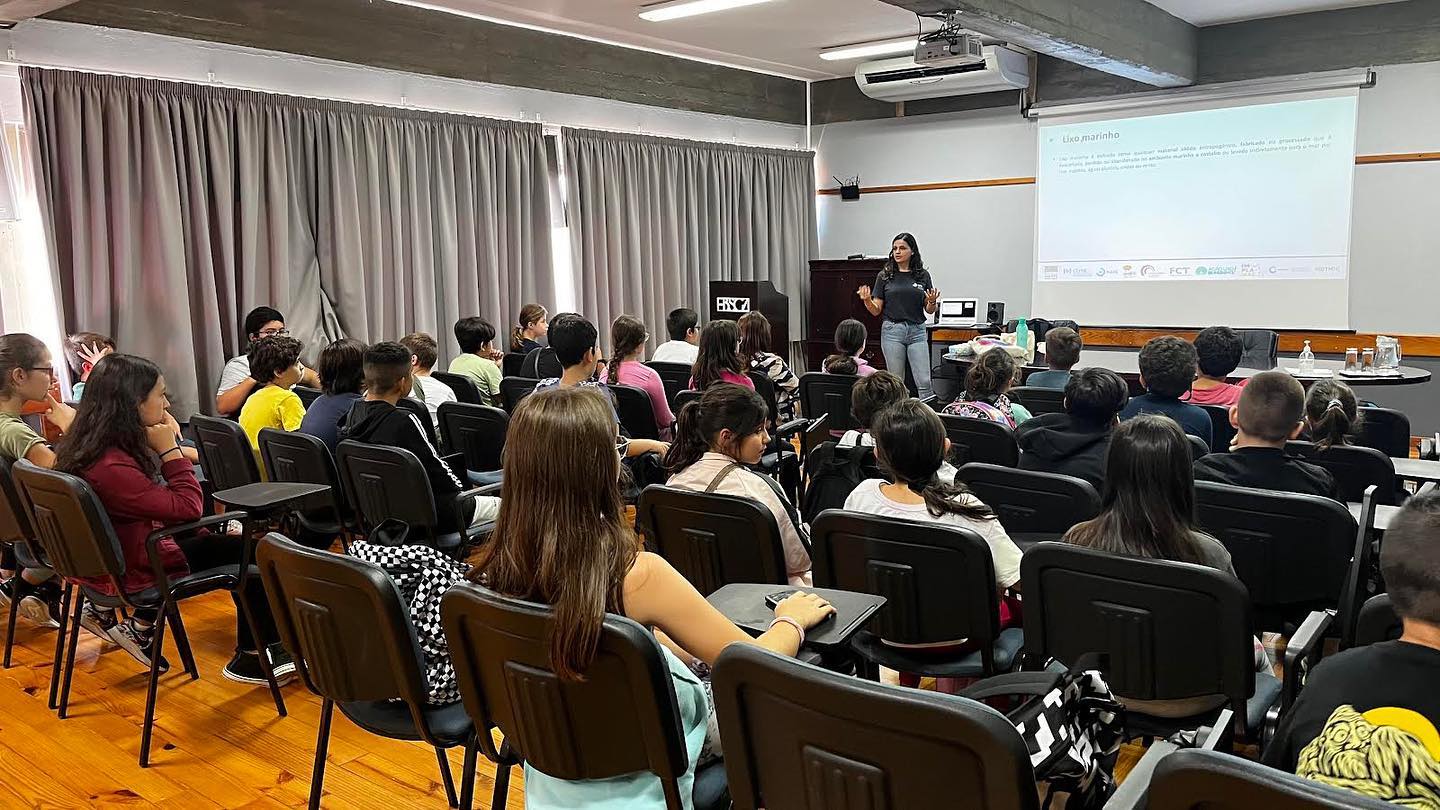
(833, 473)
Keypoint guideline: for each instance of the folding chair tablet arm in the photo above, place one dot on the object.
(152, 541)
(1132, 794)
(1302, 652)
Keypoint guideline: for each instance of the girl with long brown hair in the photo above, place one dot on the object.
(562, 539)
(719, 357)
(628, 337)
(755, 355)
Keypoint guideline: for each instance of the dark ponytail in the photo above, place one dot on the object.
(910, 446)
(1332, 414)
(626, 335)
(721, 407)
(990, 375)
(530, 314)
(840, 364)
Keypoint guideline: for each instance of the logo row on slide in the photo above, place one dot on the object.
(1288, 268)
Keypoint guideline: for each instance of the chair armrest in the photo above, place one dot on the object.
(932, 401)
(152, 541)
(1302, 649)
(1013, 683)
(487, 489)
(791, 428)
(1131, 795)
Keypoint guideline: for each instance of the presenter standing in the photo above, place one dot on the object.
(904, 298)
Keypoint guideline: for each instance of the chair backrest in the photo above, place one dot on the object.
(1354, 468)
(225, 452)
(299, 458)
(1291, 551)
(980, 440)
(1196, 779)
(14, 518)
(1261, 348)
(765, 387)
(1039, 401)
(1029, 501)
(1198, 448)
(477, 431)
(465, 389)
(423, 414)
(636, 414)
(798, 736)
(514, 389)
(938, 580)
(622, 718)
(70, 523)
(511, 364)
(384, 482)
(685, 397)
(1378, 621)
(1386, 430)
(541, 363)
(1170, 630)
(1221, 431)
(822, 393)
(712, 539)
(674, 376)
(307, 394)
(344, 622)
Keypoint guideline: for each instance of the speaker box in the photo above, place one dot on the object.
(995, 312)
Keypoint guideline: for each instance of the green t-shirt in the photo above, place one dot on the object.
(484, 373)
(16, 437)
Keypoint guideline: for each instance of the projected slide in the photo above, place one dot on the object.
(1258, 193)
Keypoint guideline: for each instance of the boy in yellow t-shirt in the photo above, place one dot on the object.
(275, 364)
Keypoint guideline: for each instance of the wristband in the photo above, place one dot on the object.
(792, 623)
(168, 452)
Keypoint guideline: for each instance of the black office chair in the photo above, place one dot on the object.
(541, 364)
(477, 432)
(822, 393)
(422, 414)
(346, 625)
(224, 452)
(684, 398)
(1221, 431)
(712, 539)
(1167, 630)
(980, 440)
(511, 364)
(1292, 551)
(1261, 348)
(796, 735)
(637, 415)
(385, 483)
(674, 376)
(299, 458)
(17, 533)
(1355, 468)
(1193, 779)
(514, 389)
(465, 389)
(1198, 448)
(1039, 401)
(939, 585)
(1032, 506)
(80, 543)
(622, 718)
(779, 460)
(307, 394)
(1386, 430)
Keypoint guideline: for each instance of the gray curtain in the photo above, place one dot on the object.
(172, 209)
(654, 220)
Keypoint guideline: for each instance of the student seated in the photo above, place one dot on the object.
(1270, 413)
(575, 512)
(990, 376)
(755, 355)
(1062, 352)
(235, 380)
(869, 397)
(427, 390)
(850, 337)
(715, 438)
(1167, 367)
(576, 344)
(530, 328)
(125, 447)
(276, 360)
(628, 337)
(477, 358)
(82, 351)
(376, 420)
(683, 326)
(1332, 416)
(1075, 442)
(342, 378)
(718, 359)
(1218, 350)
(1367, 717)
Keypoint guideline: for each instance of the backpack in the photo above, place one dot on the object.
(833, 472)
(979, 409)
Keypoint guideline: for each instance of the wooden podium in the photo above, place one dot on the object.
(833, 283)
(731, 299)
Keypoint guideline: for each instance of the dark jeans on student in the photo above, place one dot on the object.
(213, 551)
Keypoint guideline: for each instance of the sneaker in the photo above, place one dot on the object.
(281, 663)
(137, 641)
(99, 621)
(41, 604)
(7, 593)
(245, 668)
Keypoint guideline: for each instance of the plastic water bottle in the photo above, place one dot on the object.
(1307, 360)
(1022, 333)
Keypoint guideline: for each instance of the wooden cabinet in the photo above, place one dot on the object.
(833, 283)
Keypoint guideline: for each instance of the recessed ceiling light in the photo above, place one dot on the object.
(863, 50)
(676, 9)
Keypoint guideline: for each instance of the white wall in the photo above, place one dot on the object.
(979, 242)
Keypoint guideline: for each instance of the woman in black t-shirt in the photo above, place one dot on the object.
(904, 298)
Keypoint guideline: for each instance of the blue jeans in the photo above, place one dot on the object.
(907, 343)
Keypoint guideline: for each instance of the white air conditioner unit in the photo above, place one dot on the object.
(904, 79)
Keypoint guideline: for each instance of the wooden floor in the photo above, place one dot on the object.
(217, 743)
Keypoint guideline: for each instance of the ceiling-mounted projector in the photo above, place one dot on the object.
(947, 47)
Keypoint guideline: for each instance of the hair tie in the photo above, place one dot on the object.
(1333, 404)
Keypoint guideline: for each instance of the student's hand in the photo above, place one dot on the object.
(864, 292)
(172, 424)
(806, 608)
(60, 414)
(160, 438)
(641, 446)
(91, 354)
(308, 377)
(493, 354)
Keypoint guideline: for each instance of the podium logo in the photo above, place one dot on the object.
(734, 306)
